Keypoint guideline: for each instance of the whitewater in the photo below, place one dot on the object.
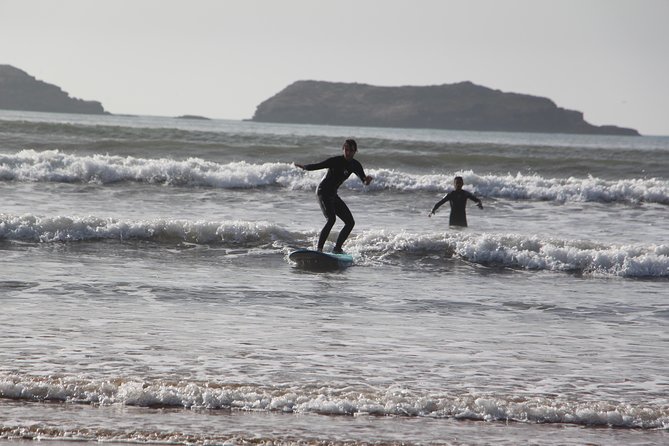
(147, 294)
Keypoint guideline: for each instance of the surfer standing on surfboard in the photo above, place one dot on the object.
(458, 199)
(339, 169)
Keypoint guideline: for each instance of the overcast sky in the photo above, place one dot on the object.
(606, 58)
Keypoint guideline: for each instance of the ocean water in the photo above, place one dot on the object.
(147, 296)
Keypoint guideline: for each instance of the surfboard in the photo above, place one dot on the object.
(308, 258)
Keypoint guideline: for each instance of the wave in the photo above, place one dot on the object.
(524, 252)
(31, 228)
(514, 251)
(534, 187)
(56, 166)
(331, 400)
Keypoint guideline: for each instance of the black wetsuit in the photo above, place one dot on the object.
(332, 206)
(458, 200)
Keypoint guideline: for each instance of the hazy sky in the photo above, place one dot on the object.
(606, 58)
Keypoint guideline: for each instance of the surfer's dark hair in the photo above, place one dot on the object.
(352, 144)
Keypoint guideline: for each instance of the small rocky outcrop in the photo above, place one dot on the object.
(194, 117)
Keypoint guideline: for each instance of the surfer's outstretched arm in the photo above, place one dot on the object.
(438, 205)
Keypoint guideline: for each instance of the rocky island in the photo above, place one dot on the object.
(20, 91)
(461, 106)
(197, 117)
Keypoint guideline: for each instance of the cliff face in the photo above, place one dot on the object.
(20, 91)
(462, 106)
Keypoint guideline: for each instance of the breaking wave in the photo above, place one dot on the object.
(329, 400)
(524, 252)
(515, 251)
(31, 228)
(56, 166)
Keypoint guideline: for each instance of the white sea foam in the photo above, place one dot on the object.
(56, 166)
(33, 228)
(534, 187)
(520, 252)
(500, 250)
(325, 399)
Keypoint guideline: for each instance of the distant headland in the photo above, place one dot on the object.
(20, 91)
(461, 106)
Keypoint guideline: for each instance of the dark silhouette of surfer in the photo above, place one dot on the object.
(458, 199)
(339, 169)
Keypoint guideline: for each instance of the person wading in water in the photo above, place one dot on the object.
(458, 199)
